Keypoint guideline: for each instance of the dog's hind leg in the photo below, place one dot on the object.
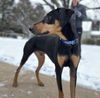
(16, 76)
(59, 81)
(26, 54)
(41, 59)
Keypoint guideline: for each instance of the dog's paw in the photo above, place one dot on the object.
(14, 85)
(40, 84)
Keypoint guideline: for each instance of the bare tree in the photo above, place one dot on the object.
(25, 15)
(55, 3)
(5, 9)
(63, 3)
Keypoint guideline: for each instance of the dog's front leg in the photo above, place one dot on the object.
(58, 71)
(73, 77)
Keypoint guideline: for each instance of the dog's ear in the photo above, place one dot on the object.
(64, 16)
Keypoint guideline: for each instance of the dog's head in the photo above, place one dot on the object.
(53, 22)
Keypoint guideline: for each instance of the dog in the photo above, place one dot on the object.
(60, 43)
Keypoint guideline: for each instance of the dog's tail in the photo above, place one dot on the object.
(27, 51)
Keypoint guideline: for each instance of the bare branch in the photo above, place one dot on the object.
(50, 5)
(56, 3)
(64, 2)
(67, 3)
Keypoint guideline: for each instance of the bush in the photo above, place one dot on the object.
(91, 41)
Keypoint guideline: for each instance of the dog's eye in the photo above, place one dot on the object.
(46, 19)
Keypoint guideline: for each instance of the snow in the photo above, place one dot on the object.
(94, 14)
(95, 33)
(91, 3)
(29, 92)
(86, 25)
(2, 84)
(11, 51)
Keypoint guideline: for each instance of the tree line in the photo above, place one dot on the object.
(18, 17)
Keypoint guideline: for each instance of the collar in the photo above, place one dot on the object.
(72, 42)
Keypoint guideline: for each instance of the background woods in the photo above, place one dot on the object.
(16, 16)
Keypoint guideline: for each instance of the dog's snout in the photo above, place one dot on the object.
(32, 30)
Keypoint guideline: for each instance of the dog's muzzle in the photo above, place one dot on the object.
(32, 30)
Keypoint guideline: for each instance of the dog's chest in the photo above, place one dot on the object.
(65, 54)
(65, 61)
(63, 49)
(62, 60)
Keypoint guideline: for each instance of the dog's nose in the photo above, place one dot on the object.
(32, 30)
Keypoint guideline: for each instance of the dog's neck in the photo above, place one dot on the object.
(60, 35)
(68, 33)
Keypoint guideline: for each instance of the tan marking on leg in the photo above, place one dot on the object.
(16, 76)
(61, 60)
(61, 95)
(75, 59)
(41, 59)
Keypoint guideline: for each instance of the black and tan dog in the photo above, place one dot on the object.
(60, 44)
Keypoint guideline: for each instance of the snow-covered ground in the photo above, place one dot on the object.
(11, 51)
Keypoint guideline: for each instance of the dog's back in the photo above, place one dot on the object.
(44, 43)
